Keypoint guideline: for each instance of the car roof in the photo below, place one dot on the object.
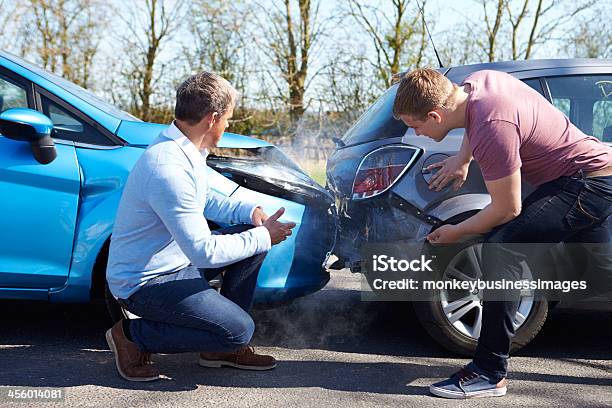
(527, 65)
(106, 114)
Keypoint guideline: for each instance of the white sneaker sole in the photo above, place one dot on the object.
(219, 364)
(111, 345)
(441, 392)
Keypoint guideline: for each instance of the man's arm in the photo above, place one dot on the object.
(465, 152)
(221, 208)
(172, 195)
(505, 206)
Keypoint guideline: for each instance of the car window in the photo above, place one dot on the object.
(12, 95)
(73, 88)
(535, 84)
(377, 122)
(70, 127)
(602, 119)
(563, 104)
(587, 101)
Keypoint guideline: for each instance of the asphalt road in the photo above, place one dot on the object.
(333, 350)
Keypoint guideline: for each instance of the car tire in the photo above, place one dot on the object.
(436, 322)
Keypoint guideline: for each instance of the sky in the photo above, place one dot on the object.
(442, 16)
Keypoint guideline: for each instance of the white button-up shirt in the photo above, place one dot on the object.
(160, 226)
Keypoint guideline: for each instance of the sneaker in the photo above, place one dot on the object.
(132, 364)
(245, 359)
(467, 383)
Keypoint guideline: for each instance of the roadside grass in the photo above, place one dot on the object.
(316, 170)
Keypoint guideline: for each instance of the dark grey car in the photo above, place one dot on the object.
(376, 174)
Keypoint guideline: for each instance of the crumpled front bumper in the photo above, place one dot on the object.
(294, 267)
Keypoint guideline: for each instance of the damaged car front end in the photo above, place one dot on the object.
(264, 174)
(66, 208)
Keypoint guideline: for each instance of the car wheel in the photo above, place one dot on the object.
(454, 318)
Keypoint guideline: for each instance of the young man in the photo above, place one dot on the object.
(162, 251)
(512, 132)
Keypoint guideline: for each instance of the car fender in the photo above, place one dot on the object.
(104, 173)
(94, 229)
(462, 204)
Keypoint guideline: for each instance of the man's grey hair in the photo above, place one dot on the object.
(201, 94)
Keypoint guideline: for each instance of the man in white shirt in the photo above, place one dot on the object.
(162, 251)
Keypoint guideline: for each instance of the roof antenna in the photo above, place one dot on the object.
(430, 39)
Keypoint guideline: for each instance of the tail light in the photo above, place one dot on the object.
(381, 168)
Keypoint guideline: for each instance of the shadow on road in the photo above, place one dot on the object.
(54, 345)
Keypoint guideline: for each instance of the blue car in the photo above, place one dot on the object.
(64, 158)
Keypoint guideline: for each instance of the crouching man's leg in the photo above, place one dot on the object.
(179, 313)
(485, 376)
(239, 282)
(543, 222)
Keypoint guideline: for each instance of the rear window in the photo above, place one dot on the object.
(377, 122)
(585, 100)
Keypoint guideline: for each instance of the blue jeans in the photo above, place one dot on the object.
(180, 312)
(569, 209)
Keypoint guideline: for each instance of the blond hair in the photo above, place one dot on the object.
(420, 91)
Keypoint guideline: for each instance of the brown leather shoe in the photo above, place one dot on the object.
(245, 359)
(132, 364)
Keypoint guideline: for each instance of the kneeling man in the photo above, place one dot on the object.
(162, 252)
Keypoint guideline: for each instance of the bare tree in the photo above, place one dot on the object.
(546, 32)
(515, 22)
(592, 37)
(218, 30)
(514, 28)
(67, 35)
(459, 45)
(492, 26)
(147, 32)
(347, 86)
(220, 40)
(399, 40)
(289, 45)
(5, 18)
(541, 25)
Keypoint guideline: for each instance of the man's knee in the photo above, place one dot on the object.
(240, 330)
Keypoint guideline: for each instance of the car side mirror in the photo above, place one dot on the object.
(27, 125)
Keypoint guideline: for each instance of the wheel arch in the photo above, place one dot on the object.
(459, 206)
(96, 223)
(98, 275)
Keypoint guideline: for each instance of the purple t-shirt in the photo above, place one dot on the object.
(510, 126)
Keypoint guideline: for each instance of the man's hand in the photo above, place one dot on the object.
(446, 234)
(258, 217)
(505, 206)
(453, 168)
(279, 231)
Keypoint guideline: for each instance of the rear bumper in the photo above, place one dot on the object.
(377, 220)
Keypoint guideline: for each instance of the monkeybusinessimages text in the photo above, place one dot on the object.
(385, 263)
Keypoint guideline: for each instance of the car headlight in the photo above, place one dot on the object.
(265, 169)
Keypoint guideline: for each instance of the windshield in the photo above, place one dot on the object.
(74, 89)
(377, 122)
